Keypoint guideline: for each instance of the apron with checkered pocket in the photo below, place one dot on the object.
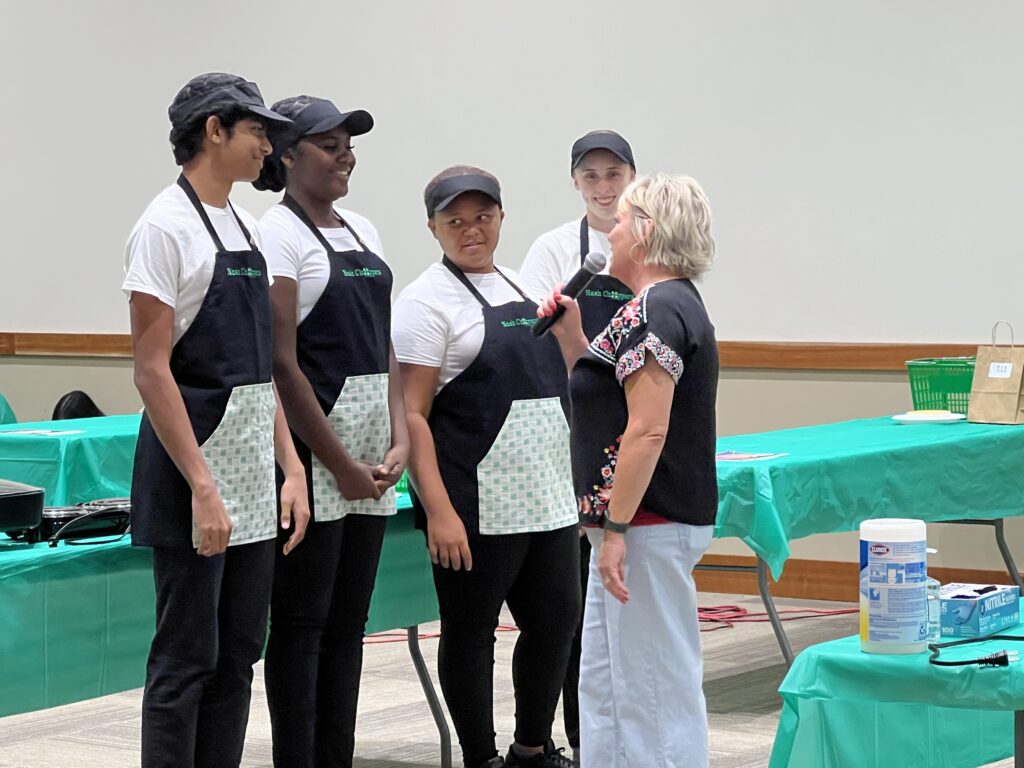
(500, 429)
(343, 349)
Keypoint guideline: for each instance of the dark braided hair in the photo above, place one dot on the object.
(273, 175)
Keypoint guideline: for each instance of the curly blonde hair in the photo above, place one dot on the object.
(671, 223)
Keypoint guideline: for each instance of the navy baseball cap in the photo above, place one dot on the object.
(310, 116)
(608, 140)
(207, 93)
(444, 194)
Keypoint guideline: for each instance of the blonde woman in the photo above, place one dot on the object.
(643, 446)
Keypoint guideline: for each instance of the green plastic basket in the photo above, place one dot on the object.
(938, 383)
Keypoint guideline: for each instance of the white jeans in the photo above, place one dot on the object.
(641, 701)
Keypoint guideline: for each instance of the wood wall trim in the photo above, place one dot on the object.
(118, 345)
(819, 579)
(777, 355)
(790, 355)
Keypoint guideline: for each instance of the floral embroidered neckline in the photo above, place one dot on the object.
(606, 345)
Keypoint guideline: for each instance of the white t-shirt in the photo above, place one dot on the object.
(437, 322)
(170, 255)
(293, 251)
(554, 257)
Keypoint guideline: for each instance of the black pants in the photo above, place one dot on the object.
(537, 575)
(318, 615)
(571, 686)
(211, 621)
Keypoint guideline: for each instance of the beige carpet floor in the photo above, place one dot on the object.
(743, 668)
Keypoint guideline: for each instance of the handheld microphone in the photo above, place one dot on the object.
(593, 264)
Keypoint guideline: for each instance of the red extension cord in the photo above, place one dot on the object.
(726, 616)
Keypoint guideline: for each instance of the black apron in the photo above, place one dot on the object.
(226, 350)
(343, 348)
(500, 429)
(603, 295)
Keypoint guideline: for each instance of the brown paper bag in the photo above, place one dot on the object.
(996, 392)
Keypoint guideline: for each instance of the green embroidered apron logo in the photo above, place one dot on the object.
(362, 272)
(527, 321)
(244, 272)
(608, 295)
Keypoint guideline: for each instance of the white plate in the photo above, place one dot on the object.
(915, 417)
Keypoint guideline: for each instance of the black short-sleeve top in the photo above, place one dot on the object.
(669, 321)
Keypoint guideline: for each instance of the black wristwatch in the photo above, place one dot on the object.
(611, 525)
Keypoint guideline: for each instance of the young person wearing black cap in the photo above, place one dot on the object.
(602, 166)
(340, 387)
(486, 405)
(203, 490)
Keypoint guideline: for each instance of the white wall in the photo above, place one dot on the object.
(863, 159)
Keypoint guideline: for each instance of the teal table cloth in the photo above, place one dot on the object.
(73, 460)
(6, 412)
(843, 708)
(832, 477)
(76, 620)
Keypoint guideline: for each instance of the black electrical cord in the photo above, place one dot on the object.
(999, 659)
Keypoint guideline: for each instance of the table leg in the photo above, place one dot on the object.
(761, 569)
(1004, 550)
(773, 614)
(1018, 739)
(423, 674)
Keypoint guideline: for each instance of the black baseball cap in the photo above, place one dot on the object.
(444, 194)
(310, 116)
(609, 140)
(205, 94)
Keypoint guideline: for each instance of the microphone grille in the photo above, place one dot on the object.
(595, 262)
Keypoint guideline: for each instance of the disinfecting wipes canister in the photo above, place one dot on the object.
(893, 571)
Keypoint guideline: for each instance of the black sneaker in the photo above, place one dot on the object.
(494, 762)
(549, 758)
